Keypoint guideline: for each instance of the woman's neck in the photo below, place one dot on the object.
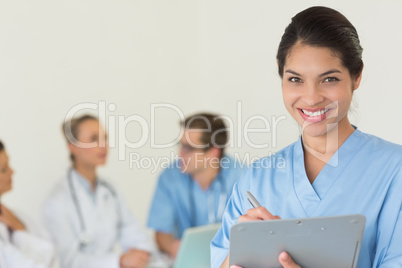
(88, 172)
(325, 146)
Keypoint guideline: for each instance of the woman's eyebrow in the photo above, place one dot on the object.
(321, 75)
(292, 72)
(330, 72)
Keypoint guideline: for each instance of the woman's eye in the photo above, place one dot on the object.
(331, 79)
(295, 80)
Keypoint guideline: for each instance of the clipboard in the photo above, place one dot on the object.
(331, 242)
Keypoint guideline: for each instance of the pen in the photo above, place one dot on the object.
(252, 200)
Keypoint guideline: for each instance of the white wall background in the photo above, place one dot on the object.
(196, 55)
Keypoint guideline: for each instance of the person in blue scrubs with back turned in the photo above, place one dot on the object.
(334, 168)
(194, 190)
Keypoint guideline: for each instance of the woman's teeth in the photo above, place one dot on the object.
(316, 113)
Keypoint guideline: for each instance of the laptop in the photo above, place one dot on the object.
(194, 248)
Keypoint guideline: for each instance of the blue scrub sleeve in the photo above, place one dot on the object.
(220, 243)
(389, 236)
(162, 216)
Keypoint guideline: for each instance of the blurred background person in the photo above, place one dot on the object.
(194, 190)
(87, 217)
(23, 244)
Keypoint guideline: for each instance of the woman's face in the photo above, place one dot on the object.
(317, 89)
(6, 173)
(91, 133)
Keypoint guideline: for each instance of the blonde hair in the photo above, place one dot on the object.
(70, 128)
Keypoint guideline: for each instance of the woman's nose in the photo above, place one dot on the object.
(313, 95)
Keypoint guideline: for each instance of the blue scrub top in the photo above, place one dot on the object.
(364, 176)
(172, 210)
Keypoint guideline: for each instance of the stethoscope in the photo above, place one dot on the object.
(83, 237)
(214, 216)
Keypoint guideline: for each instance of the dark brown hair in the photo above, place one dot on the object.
(323, 27)
(217, 134)
(71, 128)
(1, 146)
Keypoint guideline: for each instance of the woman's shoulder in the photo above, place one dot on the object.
(32, 224)
(280, 159)
(59, 188)
(58, 194)
(265, 169)
(379, 146)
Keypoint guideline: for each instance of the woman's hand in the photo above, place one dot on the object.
(287, 261)
(254, 214)
(134, 259)
(10, 220)
(284, 259)
(259, 213)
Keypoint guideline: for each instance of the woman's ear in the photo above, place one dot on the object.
(72, 148)
(357, 80)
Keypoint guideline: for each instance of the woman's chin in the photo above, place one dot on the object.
(6, 190)
(102, 162)
(315, 129)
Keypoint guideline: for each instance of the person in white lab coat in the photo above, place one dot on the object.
(87, 217)
(23, 243)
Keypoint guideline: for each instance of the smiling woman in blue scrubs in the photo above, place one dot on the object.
(334, 168)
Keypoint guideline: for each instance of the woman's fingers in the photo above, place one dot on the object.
(259, 213)
(287, 261)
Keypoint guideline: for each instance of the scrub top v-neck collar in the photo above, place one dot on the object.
(309, 194)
